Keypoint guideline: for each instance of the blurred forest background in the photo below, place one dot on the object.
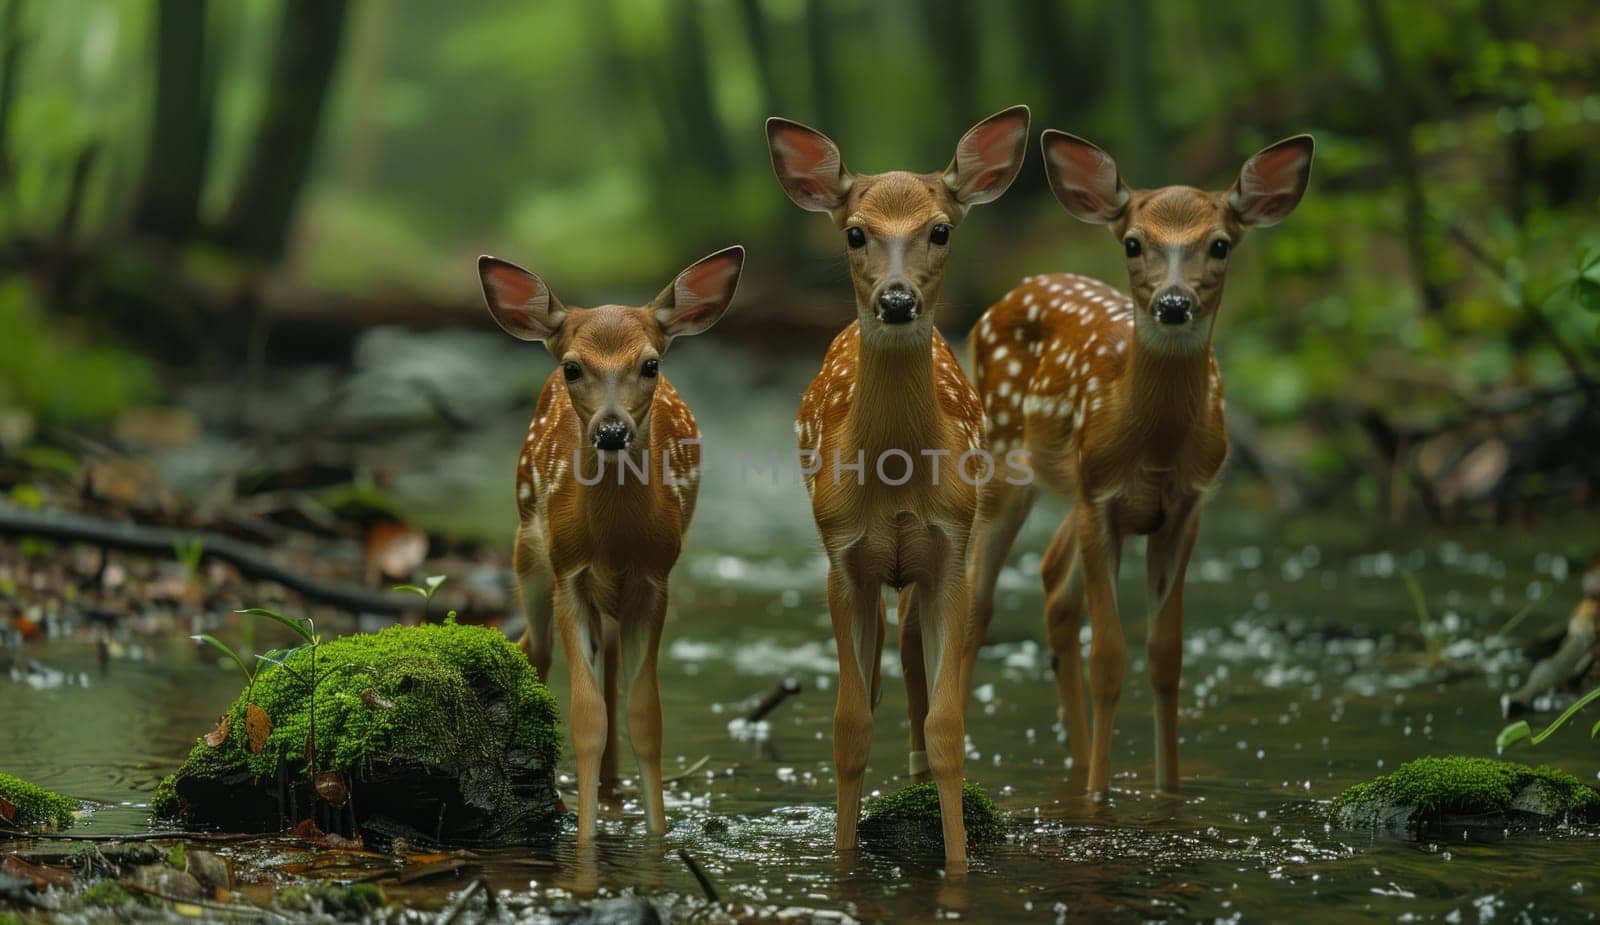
(200, 195)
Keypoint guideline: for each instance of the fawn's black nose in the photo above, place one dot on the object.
(612, 435)
(897, 305)
(1174, 308)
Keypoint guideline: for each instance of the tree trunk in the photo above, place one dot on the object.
(1396, 118)
(819, 48)
(11, 34)
(280, 158)
(760, 39)
(701, 145)
(168, 203)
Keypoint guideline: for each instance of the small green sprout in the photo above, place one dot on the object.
(190, 552)
(1520, 729)
(425, 590)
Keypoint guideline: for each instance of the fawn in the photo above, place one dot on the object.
(606, 485)
(892, 401)
(1119, 404)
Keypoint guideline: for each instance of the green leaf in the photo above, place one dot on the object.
(1596, 730)
(1586, 292)
(1515, 732)
(302, 626)
(425, 591)
(1589, 260)
(225, 649)
(1567, 714)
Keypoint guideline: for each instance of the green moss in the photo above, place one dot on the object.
(1428, 788)
(165, 801)
(917, 807)
(113, 895)
(406, 693)
(35, 805)
(349, 901)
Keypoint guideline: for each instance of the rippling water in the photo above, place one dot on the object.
(1304, 673)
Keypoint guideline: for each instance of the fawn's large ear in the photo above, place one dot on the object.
(519, 300)
(1272, 182)
(808, 165)
(700, 295)
(988, 157)
(1084, 178)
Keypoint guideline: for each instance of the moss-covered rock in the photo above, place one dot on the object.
(35, 807)
(436, 730)
(113, 895)
(342, 901)
(908, 819)
(1464, 793)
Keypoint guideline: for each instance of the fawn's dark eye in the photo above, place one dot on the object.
(1219, 249)
(572, 370)
(1133, 247)
(651, 368)
(855, 237)
(940, 234)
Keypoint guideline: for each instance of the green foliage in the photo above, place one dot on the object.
(342, 901)
(35, 805)
(110, 894)
(61, 377)
(406, 692)
(1520, 729)
(1455, 784)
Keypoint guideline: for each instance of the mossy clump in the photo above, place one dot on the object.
(113, 895)
(35, 806)
(908, 819)
(437, 729)
(1466, 792)
(343, 901)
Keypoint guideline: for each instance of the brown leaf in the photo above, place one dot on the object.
(330, 786)
(41, 875)
(219, 735)
(374, 699)
(257, 725)
(8, 811)
(310, 753)
(394, 551)
(307, 829)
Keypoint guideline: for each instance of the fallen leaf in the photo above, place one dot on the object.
(394, 551)
(427, 858)
(40, 874)
(257, 725)
(374, 699)
(306, 829)
(330, 786)
(8, 811)
(219, 735)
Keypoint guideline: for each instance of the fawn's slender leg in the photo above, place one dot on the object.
(1063, 619)
(1099, 552)
(1167, 566)
(912, 667)
(1002, 510)
(641, 645)
(611, 680)
(944, 640)
(537, 592)
(854, 605)
(582, 639)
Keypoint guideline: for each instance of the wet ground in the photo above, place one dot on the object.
(1306, 670)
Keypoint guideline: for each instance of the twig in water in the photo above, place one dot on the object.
(449, 916)
(699, 872)
(687, 772)
(786, 688)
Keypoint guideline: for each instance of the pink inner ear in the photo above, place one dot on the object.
(707, 280)
(994, 141)
(512, 287)
(1270, 167)
(802, 152)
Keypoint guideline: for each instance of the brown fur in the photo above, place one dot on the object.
(593, 560)
(896, 387)
(1121, 414)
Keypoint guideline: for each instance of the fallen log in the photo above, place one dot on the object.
(64, 526)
